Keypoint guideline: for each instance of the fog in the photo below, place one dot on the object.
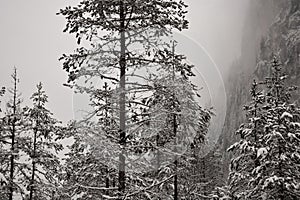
(32, 40)
(218, 26)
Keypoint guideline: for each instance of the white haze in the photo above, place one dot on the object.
(32, 40)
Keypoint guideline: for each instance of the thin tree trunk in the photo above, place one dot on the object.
(176, 161)
(203, 175)
(33, 166)
(157, 153)
(107, 178)
(122, 100)
(13, 132)
(107, 124)
(34, 154)
(175, 132)
(175, 182)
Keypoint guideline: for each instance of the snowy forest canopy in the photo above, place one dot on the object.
(146, 136)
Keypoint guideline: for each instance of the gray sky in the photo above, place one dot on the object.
(31, 39)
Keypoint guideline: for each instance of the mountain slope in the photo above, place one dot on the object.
(272, 27)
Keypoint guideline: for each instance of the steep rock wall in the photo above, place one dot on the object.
(272, 26)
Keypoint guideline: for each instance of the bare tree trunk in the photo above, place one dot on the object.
(13, 132)
(107, 124)
(204, 175)
(36, 129)
(176, 161)
(157, 153)
(33, 166)
(175, 133)
(122, 100)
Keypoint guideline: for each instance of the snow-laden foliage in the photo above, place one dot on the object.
(278, 175)
(41, 145)
(125, 70)
(249, 145)
(29, 161)
(89, 170)
(91, 166)
(12, 126)
(267, 162)
(176, 124)
(222, 193)
(205, 174)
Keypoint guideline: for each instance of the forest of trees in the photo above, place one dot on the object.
(146, 133)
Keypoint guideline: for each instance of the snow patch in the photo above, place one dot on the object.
(261, 152)
(286, 115)
(295, 124)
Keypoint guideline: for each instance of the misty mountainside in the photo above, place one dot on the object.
(271, 28)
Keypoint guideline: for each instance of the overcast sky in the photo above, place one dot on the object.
(31, 39)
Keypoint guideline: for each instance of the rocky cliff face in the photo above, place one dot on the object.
(283, 40)
(272, 27)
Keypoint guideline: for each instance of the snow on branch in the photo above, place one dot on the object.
(141, 190)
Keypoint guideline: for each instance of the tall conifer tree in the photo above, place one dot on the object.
(124, 37)
(277, 173)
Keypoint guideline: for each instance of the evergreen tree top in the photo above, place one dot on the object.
(267, 161)
(39, 97)
(89, 16)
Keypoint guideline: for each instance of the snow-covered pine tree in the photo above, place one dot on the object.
(267, 165)
(175, 122)
(277, 175)
(124, 37)
(222, 193)
(251, 134)
(193, 176)
(212, 163)
(89, 164)
(42, 148)
(85, 158)
(105, 106)
(2, 182)
(10, 143)
(204, 173)
(215, 170)
(90, 171)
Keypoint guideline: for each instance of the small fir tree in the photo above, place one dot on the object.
(42, 148)
(246, 149)
(12, 125)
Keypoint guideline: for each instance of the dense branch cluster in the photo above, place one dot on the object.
(267, 163)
